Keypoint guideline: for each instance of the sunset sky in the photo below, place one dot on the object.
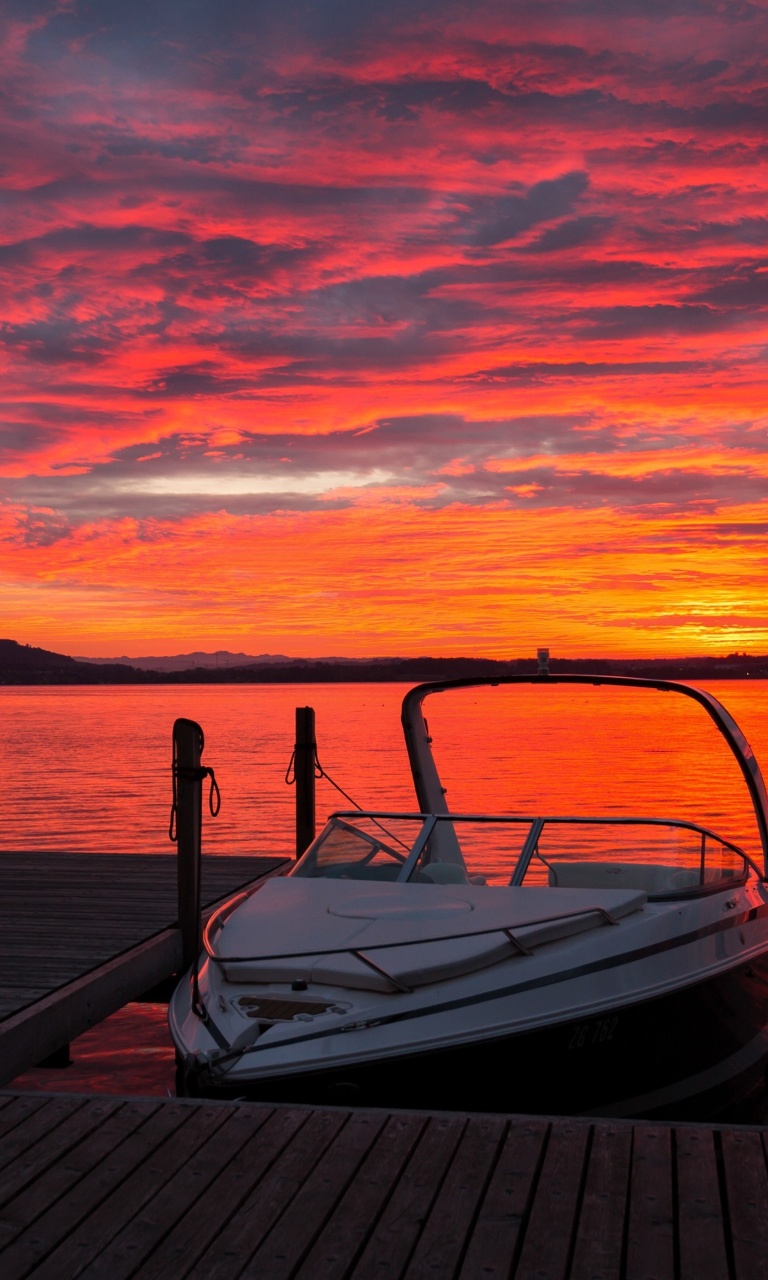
(385, 328)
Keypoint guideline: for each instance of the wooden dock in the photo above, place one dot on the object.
(85, 933)
(120, 1188)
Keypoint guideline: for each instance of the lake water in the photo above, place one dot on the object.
(89, 769)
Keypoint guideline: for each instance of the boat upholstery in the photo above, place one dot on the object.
(432, 873)
(652, 878)
(441, 931)
(444, 873)
(362, 871)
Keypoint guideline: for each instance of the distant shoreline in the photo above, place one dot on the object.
(411, 671)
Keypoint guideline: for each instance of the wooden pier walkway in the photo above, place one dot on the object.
(83, 934)
(117, 1188)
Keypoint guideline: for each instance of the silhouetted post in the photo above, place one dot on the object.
(188, 793)
(304, 772)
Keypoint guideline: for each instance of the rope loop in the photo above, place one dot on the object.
(214, 794)
(188, 774)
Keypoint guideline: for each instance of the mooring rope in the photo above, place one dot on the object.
(320, 772)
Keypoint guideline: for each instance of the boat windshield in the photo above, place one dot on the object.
(663, 857)
(363, 851)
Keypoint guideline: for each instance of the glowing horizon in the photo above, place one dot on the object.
(422, 330)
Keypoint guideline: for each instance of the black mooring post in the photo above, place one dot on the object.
(188, 798)
(304, 772)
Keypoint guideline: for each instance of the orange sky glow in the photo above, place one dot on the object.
(414, 328)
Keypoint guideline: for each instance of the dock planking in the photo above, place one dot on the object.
(84, 934)
(122, 1188)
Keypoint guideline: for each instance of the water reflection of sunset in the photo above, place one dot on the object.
(436, 328)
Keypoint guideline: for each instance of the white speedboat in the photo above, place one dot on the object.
(621, 969)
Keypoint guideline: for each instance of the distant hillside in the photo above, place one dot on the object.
(222, 659)
(24, 656)
(187, 661)
(24, 664)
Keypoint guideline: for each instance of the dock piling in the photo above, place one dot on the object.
(188, 743)
(305, 753)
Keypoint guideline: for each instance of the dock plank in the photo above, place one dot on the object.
(553, 1220)
(701, 1232)
(650, 1235)
(204, 1223)
(349, 1226)
(396, 1233)
(599, 1240)
(180, 1194)
(41, 1124)
(298, 1227)
(54, 1227)
(504, 1211)
(86, 1250)
(744, 1161)
(256, 1216)
(23, 1208)
(16, 1112)
(55, 1144)
(443, 1238)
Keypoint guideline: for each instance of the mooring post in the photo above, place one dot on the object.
(188, 801)
(304, 772)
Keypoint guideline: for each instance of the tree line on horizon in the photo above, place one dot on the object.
(22, 664)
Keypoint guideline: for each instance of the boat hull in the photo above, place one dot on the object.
(695, 1053)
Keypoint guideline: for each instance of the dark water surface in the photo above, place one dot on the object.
(88, 769)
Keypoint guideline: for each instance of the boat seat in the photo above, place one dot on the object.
(444, 873)
(361, 871)
(651, 877)
(366, 871)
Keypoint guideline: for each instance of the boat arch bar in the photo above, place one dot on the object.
(431, 794)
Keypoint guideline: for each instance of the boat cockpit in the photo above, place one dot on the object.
(663, 857)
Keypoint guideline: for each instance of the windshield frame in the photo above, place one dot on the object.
(535, 825)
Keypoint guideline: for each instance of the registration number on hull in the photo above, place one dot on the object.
(588, 1034)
